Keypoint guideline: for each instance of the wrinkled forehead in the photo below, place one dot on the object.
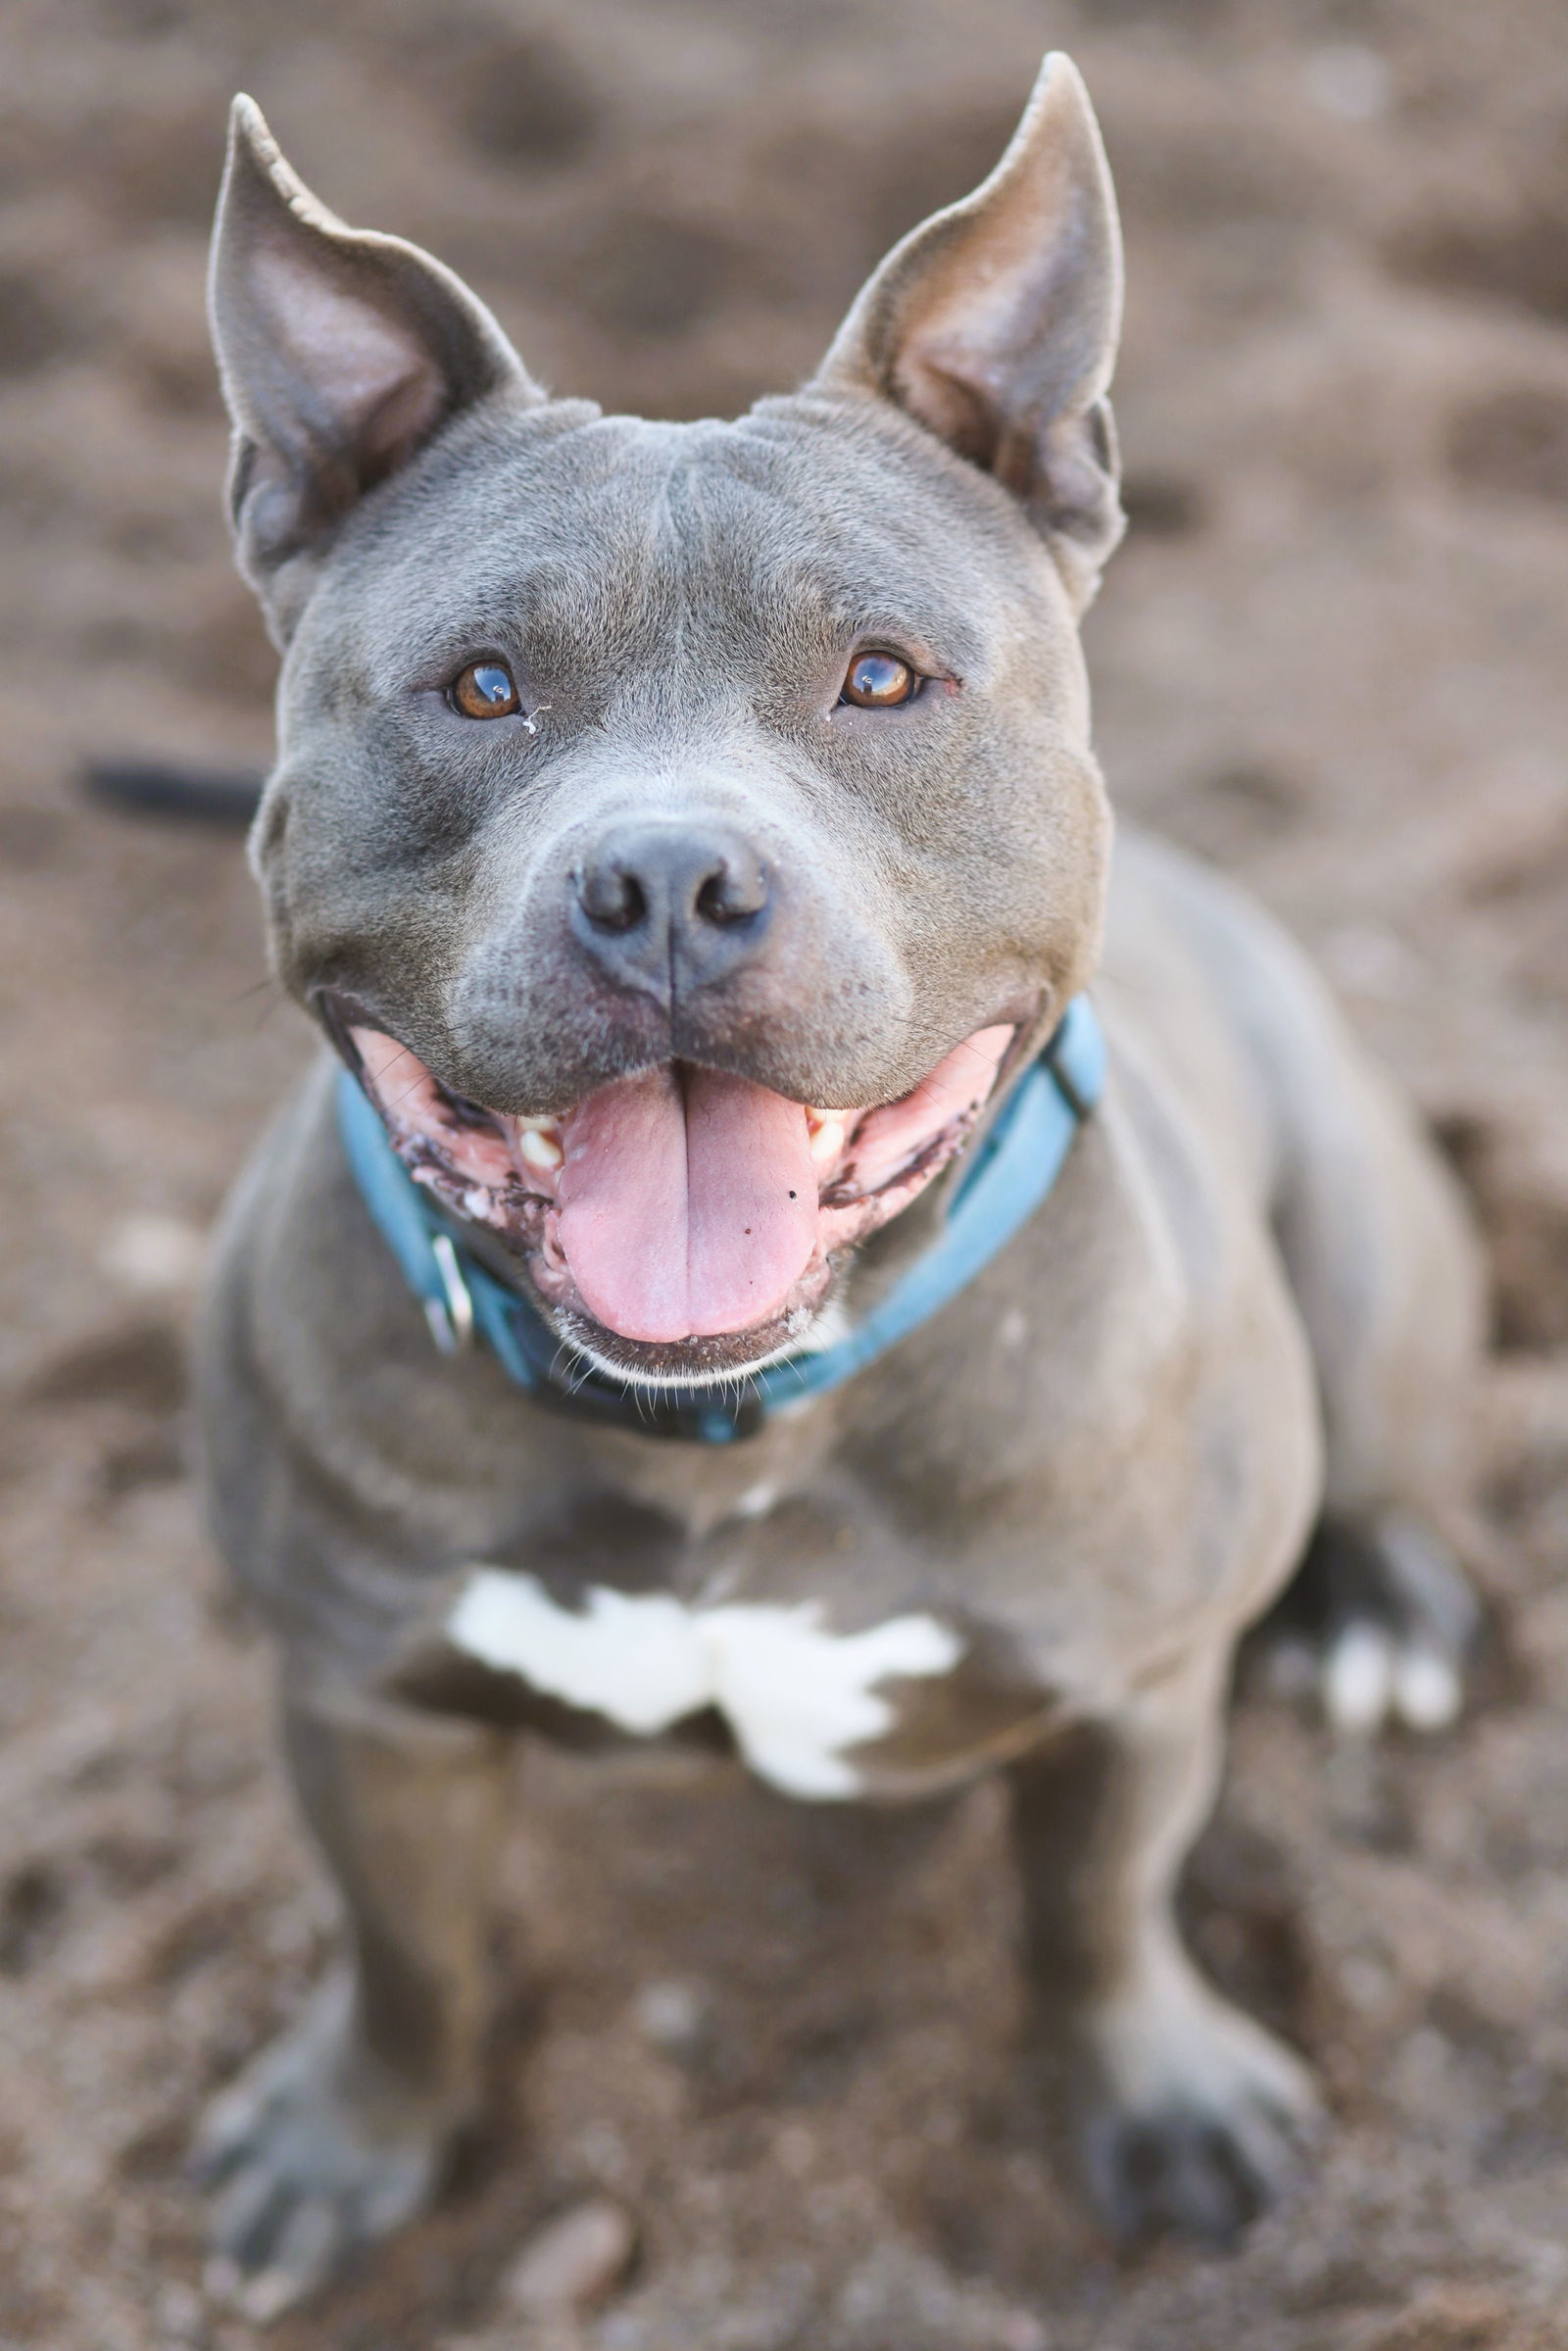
(616, 541)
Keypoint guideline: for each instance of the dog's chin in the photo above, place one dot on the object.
(682, 1227)
(809, 1321)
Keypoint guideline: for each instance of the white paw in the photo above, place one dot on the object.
(1377, 1629)
(1372, 1676)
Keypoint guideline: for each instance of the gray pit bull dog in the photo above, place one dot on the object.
(688, 837)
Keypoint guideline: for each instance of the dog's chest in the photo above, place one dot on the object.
(819, 1713)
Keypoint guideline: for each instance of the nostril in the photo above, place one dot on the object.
(714, 897)
(730, 895)
(612, 899)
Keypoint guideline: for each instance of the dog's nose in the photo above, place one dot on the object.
(659, 906)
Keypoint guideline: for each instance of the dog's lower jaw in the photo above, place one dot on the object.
(812, 1320)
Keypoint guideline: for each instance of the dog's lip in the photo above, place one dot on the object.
(692, 1363)
(498, 1172)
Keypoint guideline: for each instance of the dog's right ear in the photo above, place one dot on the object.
(342, 354)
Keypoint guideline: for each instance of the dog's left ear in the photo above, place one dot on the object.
(995, 325)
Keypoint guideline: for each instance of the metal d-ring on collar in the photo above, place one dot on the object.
(1008, 1176)
(451, 1314)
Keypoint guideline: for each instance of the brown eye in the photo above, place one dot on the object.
(485, 690)
(878, 681)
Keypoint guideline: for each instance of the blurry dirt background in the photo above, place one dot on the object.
(1332, 656)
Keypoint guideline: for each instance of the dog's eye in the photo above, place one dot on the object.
(485, 690)
(879, 681)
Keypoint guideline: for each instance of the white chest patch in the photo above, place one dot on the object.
(794, 1695)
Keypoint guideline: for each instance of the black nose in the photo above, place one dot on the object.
(662, 907)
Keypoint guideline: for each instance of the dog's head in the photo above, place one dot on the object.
(687, 829)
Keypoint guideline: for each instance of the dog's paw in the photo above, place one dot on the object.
(1378, 1625)
(1192, 2118)
(307, 2162)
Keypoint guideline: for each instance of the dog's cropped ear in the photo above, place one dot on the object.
(995, 325)
(341, 352)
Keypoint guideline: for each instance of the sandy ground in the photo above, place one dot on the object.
(1332, 656)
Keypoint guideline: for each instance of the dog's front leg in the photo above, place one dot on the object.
(1190, 2115)
(337, 2132)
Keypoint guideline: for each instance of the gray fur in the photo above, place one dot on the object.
(1250, 1288)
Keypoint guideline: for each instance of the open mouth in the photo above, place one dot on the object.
(685, 1224)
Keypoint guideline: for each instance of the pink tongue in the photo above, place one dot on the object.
(688, 1202)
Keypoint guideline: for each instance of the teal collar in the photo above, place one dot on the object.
(1009, 1175)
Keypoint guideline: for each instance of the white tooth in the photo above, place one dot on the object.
(828, 1140)
(536, 1126)
(539, 1150)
